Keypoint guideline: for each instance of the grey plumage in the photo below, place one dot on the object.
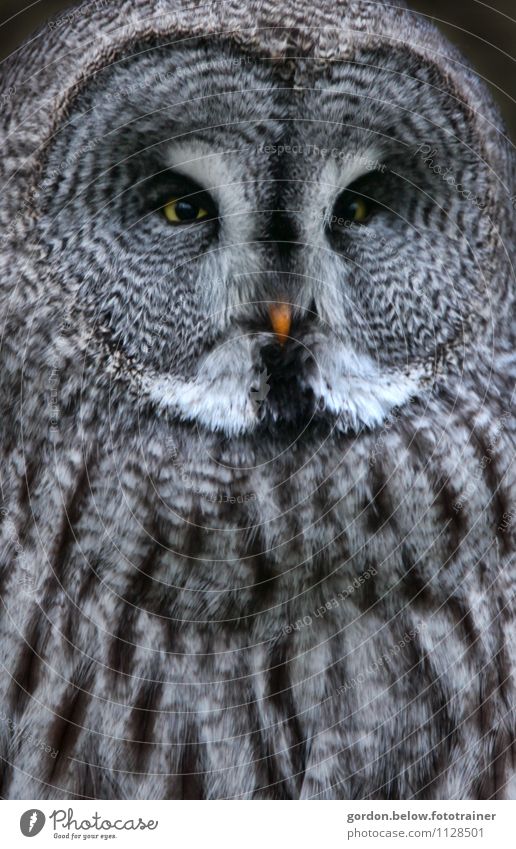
(213, 587)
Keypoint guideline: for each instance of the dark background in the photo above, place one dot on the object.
(485, 32)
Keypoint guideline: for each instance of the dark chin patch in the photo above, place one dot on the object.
(289, 400)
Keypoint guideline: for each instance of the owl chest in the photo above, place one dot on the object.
(265, 545)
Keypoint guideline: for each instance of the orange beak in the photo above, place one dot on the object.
(281, 320)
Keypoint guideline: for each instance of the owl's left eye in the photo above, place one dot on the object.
(350, 208)
(184, 211)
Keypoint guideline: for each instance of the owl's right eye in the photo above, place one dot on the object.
(178, 199)
(352, 209)
(183, 211)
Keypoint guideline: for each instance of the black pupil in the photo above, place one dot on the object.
(186, 211)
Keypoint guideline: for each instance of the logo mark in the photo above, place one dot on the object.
(31, 822)
(259, 395)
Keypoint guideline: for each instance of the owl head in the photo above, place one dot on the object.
(268, 216)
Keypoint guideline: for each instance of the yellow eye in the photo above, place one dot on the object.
(181, 211)
(349, 209)
(358, 210)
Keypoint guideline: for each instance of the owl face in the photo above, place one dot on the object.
(309, 241)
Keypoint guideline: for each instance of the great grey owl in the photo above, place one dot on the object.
(257, 381)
